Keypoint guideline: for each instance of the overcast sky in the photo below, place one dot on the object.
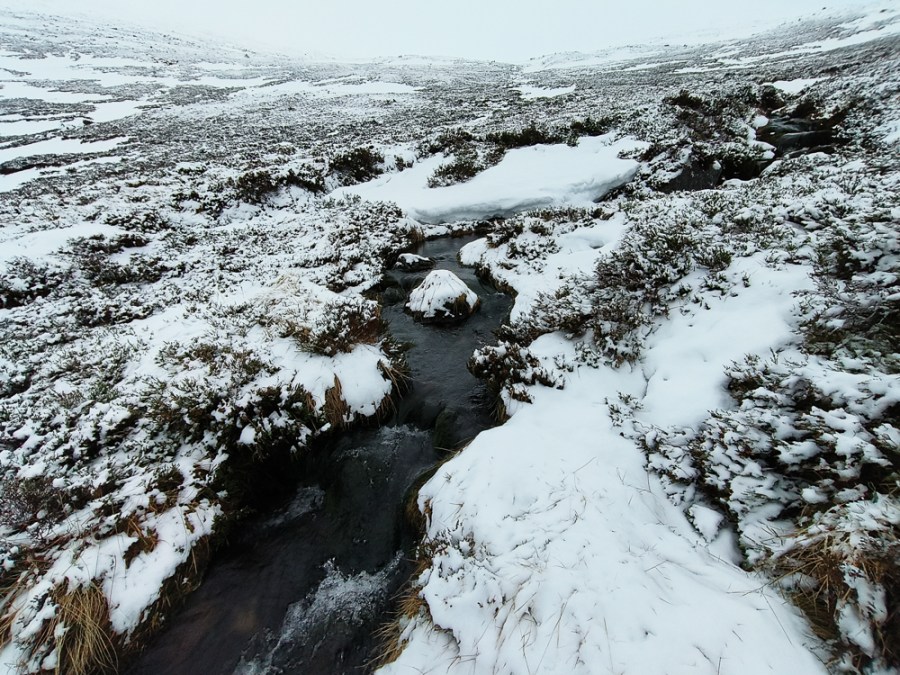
(510, 30)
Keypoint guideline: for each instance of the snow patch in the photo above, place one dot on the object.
(531, 92)
(527, 178)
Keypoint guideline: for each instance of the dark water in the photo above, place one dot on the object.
(303, 590)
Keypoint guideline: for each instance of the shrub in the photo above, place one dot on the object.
(510, 367)
(465, 165)
(589, 127)
(27, 501)
(346, 323)
(451, 141)
(254, 186)
(24, 281)
(357, 165)
(520, 138)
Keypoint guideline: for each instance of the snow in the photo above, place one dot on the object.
(558, 541)
(891, 132)
(412, 262)
(15, 180)
(58, 146)
(796, 86)
(577, 253)
(23, 127)
(526, 178)
(569, 536)
(530, 92)
(685, 358)
(41, 244)
(326, 90)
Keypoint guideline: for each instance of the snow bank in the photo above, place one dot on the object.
(526, 178)
(572, 560)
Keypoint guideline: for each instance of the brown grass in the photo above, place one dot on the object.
(146, 539)
(85, 646)
(15, 582)
(398, 377)
(826, 561)
(415, 235)
(336, 410)
(9, 613)
(409, 605)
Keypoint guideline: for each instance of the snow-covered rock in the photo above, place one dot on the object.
(410, 262)
(442, 298)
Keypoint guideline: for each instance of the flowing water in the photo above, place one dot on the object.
(303, 590)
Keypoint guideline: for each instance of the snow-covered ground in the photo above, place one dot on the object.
(697, 472)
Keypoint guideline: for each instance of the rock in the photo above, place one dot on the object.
(796, 135)
(393, 296)
(695, 175)
(410, 262)
(442, 298)
(445, 435)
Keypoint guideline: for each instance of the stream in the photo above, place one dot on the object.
(304, 590)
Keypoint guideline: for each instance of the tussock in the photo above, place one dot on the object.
(82, 632)
(844, 573)
(335, 408)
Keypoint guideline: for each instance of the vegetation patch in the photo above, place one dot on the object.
(357, 166)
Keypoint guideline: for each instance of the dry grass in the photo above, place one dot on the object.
(826, 563)
(409, 605)
(82, 633)
(13, 584)
(415, 236)
(9, 614)
(335, 409)
(818, 600)
(398, 377)
(147, 539)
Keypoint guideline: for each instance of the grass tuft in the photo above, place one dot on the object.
(83, 634)
(336, 410)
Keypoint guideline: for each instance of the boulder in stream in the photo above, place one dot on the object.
(410, 262)
(442, 298)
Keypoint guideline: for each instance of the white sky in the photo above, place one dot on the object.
(510, 30)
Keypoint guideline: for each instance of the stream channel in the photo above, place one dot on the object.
(304, 589)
